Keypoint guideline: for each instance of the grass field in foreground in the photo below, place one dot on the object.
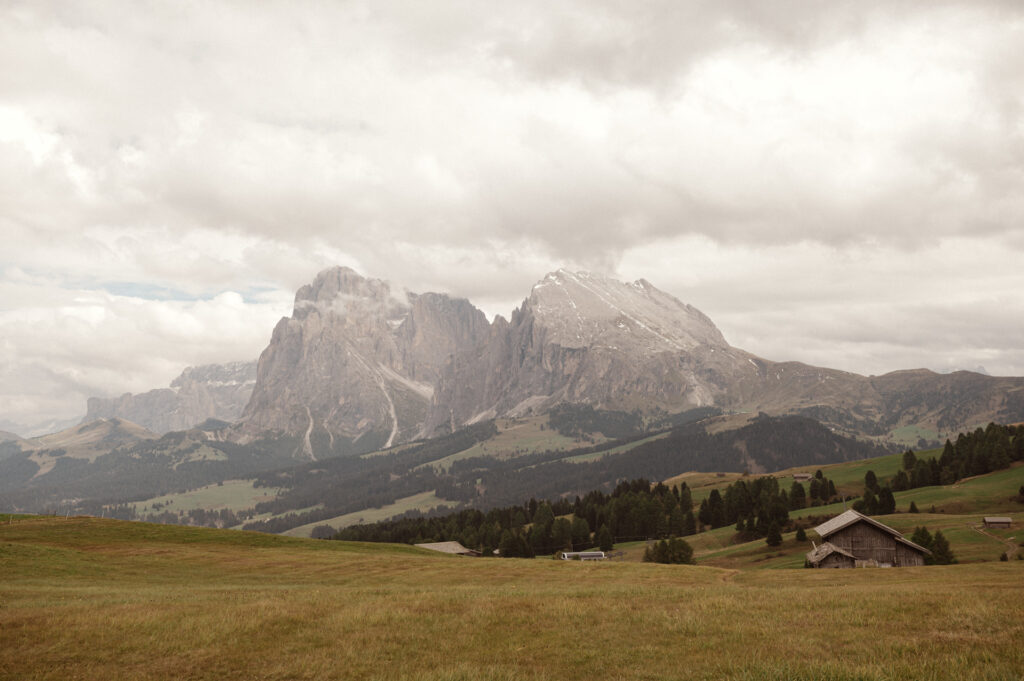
(101, 599)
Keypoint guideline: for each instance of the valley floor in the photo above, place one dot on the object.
(98, 599)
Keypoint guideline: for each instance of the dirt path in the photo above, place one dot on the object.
(727, 575)
(1011, 545)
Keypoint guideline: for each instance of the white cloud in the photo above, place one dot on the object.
(867, 309)
(788, 165)
(62, 346)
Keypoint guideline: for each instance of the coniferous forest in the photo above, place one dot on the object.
(636, 510)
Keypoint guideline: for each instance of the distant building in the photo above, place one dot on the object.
(452, 547)
(583, 555)
(801, 477)
(998, 521)
(852, 539)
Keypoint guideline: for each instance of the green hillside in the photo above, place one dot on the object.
(955, 509)
(101, 599)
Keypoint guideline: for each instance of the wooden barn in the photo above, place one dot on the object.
(852, 539)
(998, 521)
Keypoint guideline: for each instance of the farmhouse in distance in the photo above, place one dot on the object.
(852, 539)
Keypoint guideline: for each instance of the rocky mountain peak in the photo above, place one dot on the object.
(581, 309)
(346, 294)
(355, 365)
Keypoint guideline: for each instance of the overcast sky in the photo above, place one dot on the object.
(840, 183)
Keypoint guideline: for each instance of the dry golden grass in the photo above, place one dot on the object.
(92, 599)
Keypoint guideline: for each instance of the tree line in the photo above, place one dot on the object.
(975, 453)
(633, 510)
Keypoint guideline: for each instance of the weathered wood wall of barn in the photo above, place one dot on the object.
(867, 542)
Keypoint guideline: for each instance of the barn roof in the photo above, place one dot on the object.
(452, 547)
(847, 518)
(998, 519)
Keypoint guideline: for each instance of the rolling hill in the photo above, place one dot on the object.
(141, 601)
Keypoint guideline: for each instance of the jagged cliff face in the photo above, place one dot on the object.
(588, 339)
(356, 365)
(218, 391)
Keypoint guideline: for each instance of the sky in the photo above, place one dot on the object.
(839, 183)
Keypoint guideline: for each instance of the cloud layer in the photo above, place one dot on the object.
(839, 183)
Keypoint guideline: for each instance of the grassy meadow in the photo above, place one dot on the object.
(84, 598)
(424, 501)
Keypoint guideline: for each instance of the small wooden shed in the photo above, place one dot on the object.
(801, 477)
(998, 521)
(829, 555)
(868, 542)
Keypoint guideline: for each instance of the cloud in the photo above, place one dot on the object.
(62, 346)
(868, 309)
(224, 148)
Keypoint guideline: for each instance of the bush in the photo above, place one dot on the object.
(674, 551)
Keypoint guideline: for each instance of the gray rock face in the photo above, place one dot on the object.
(358, 367)
(357, 363)
(588, 339)
(218, 391)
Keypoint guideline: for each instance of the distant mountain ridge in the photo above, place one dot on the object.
(218, 391)
(357, 367)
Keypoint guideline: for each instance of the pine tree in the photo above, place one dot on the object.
(871, 481)
(901, 482)
(561, 536)
(913, 508)
(909, 460)
(508, 548)
(677, 521)
(870, 503)
(816, 492)
(704, 513)
(886, 502)
(604, 539)
(923, 538)
(797, 497)
(942, 554)
(800, 534)
(580, 533)
(689, 524)
(717, 508)
(774, 537)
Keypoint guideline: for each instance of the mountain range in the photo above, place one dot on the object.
(358, 366)
(218, 391)
(367, 397)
